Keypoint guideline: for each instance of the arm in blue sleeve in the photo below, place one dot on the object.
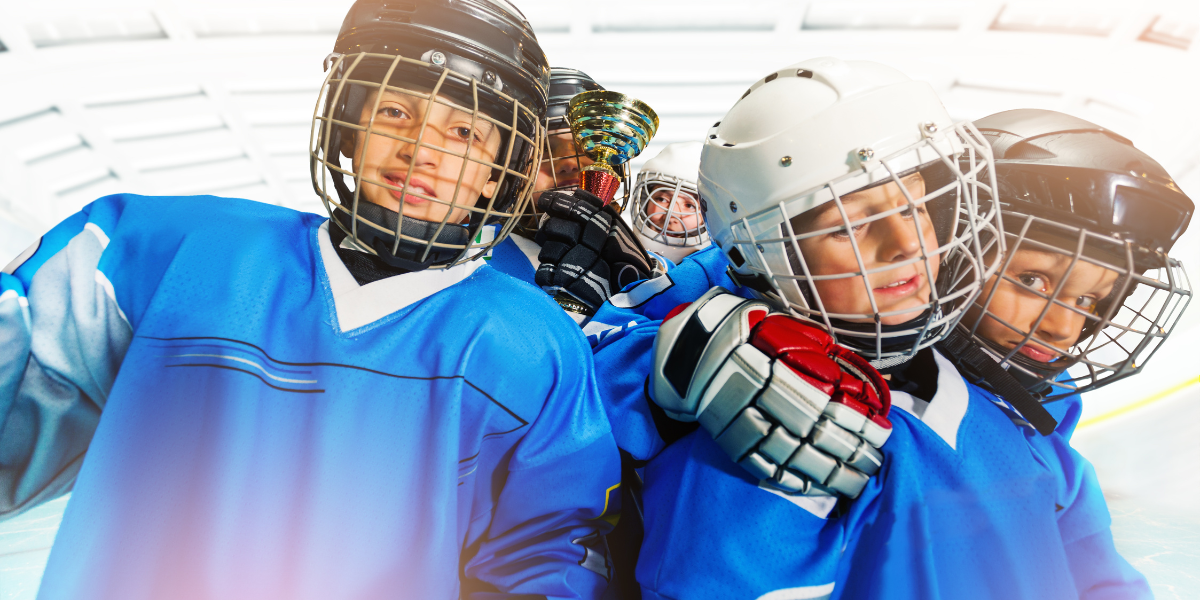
(561, 495)
(624, 361)
(622, 336)
(1101, 573)
(1084, 525)
(62, 339)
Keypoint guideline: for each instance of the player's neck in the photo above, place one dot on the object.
(364, 267)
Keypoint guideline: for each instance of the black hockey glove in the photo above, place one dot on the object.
(588, 252)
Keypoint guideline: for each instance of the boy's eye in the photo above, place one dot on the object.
(1087, 303)
(844, 234)
(907, 213)
(392, 112)
(1033, 281)
(465, 133)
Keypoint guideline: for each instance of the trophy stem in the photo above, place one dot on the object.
(601, 180)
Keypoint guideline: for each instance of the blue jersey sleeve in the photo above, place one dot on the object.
(63, 336)
(1085, 526)
(622, 336)
(508, 258)
(561, 495)
(1102, 574)
(1084, 523)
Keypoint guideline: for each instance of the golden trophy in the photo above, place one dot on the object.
(611, 128)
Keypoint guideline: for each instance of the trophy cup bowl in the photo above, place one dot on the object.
(611, 128)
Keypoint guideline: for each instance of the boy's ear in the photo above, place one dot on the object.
(347, 146)
(489, 189)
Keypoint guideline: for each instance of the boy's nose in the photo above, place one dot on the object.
(901, 240)
(1060, 327)
(419, 155)
(572, 164)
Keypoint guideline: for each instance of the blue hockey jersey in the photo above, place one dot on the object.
(240, 419)
(967, 505)
(516, 256)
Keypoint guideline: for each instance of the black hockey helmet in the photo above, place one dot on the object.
(476, 56)
(1073, 188)
(1070, 171)
(565, 84)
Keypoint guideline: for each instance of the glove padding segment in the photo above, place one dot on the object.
(777, 394)
(587, 249)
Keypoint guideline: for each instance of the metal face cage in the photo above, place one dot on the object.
(667, 210)
(1109, 340)
(441, 139)
(958, 173)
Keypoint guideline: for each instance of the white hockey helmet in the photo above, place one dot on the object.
(667, 212)
(816, 131)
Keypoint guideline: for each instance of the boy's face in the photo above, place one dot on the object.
(564, 169)
(685, 214)
(884, 244)
(1017, 303)
(434, 186)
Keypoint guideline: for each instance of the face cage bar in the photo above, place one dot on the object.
(643, 196)
(319, 151)
(1134, 328)
(951, 292)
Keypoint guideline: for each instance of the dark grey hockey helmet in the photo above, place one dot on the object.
(565, 84)
(439, 106)
(1084, 212)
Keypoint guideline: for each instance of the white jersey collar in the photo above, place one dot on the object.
(529, 248)
(359, 305)
(949, 405)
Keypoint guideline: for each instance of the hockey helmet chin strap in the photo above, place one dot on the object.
(979, 366)
(408, 254)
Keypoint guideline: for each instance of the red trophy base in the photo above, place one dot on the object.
(603, 184)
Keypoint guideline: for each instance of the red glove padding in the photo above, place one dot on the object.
(776, 393)
(814, 356)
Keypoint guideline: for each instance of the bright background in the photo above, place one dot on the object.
(173, 97)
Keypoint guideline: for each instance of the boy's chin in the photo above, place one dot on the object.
(904, 317)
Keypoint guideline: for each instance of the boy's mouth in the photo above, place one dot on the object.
(900, 287)
(416, 186)
(1038, 353)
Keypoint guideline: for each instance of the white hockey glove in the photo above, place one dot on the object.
(778, 395)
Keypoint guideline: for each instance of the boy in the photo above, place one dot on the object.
(964, 504)
(275, 405)
(559, 169)
(666, 206)
(615, 248)
(1100, 311)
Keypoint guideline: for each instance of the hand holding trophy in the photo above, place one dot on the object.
(588, 252)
